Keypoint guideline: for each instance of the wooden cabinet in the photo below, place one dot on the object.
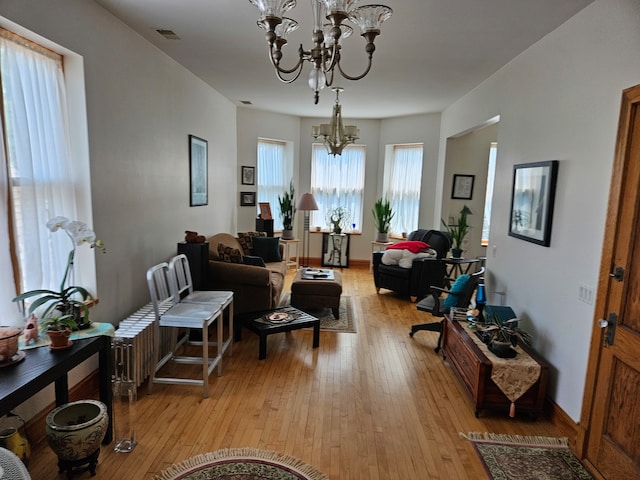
(473, 369)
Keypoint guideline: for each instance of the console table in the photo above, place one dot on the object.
(473, 368)
(42, 367)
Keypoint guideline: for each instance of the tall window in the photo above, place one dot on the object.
(402, 181)
(36, 166)
(491, 173)
(338, 181)
(274, 175)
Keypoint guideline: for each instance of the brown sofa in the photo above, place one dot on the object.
(254, 288)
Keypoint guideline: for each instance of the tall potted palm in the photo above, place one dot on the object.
(382, 214)
(458, 231)
(287, 211)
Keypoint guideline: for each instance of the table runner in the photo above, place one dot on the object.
(94, 330)
(513, 376)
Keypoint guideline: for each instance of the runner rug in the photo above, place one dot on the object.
(511, 457)
(345, 323)
(241, 463)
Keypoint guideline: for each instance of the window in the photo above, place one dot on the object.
(38, 162)
(274, 175)
(337, 181)
(491, 173)
(402, 183)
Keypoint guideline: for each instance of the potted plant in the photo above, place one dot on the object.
(382, 214)
(338, 218)
(70, 302)
(58, 329)
(501, 335)
(287, 211)
(458, 231)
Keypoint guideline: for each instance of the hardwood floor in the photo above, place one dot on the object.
(372, 405)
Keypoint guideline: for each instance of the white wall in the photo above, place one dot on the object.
(559, 100)
(141, 107)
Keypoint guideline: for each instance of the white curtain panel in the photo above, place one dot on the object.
(272, 181)
(402, 187)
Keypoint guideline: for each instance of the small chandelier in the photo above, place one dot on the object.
(325, 54)
(335, 135)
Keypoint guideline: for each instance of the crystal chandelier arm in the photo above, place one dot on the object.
(369, 48)
(276, 56)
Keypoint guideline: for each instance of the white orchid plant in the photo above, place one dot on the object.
(71, 301)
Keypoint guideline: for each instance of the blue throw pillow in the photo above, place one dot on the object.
(268, 248)
(457, 287)
(253, 260)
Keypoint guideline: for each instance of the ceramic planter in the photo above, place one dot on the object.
(59, 339)
(76, 429)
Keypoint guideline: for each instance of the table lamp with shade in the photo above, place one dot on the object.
(306, 204)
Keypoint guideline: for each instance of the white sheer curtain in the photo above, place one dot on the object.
(272, 176)
(402, 181)
(338, 181)
(39, 163)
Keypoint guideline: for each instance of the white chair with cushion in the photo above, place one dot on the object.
(179, 268)
(169, 312)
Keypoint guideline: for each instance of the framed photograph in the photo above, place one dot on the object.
(532, 199)
(462, 186)
(265, 210)
(198, 177)
(248, 175)
(247, 199)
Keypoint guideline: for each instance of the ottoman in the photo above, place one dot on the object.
(317, 292)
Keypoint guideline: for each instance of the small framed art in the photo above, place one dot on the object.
(198, 177)
(462, 186)
(265, 210)
(532, 200)
(248, 175)
(247, 199)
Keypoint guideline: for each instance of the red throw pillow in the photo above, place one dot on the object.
(413, 246)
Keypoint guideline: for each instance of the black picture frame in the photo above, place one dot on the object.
(248, 175)
(198, 171)
(462, 188)
(532, 201)
(247, 199)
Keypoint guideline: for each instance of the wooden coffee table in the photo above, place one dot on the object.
(255, 322)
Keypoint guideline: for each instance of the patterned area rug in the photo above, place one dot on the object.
(511, 457)
(241, 464)
(345, 323)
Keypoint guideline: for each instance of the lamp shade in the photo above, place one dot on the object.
(307, 202)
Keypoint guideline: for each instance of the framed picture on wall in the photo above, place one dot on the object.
(462, 187)
(532, 200)
(247, 199)
(198, 177)
(248, 175)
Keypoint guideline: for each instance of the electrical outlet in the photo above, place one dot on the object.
(585, 293)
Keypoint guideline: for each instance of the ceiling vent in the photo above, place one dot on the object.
(246, 102)
(168, 34)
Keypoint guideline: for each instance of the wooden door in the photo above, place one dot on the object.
(612, 399)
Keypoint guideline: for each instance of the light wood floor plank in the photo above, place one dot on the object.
(376, 405)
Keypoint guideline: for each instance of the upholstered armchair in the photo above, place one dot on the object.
(414, 282)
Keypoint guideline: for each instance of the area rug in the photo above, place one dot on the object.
(241, 464)
(511, 457)
(345, 323)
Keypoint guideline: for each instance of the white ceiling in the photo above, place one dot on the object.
(430, 52)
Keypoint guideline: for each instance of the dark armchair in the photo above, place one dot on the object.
(424, 272)
(437, 305)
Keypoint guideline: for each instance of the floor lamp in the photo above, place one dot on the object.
(306, 204)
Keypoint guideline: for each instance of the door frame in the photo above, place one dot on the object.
(630, 99)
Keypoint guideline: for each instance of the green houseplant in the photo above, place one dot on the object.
(382, 214)
(458, 231)
(68, 306)
(501, 335)
(287, 211)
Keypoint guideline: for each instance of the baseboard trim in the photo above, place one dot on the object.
(88, 387)
(568, 428)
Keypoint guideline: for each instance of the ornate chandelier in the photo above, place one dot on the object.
(325, 54)
(335, 135)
